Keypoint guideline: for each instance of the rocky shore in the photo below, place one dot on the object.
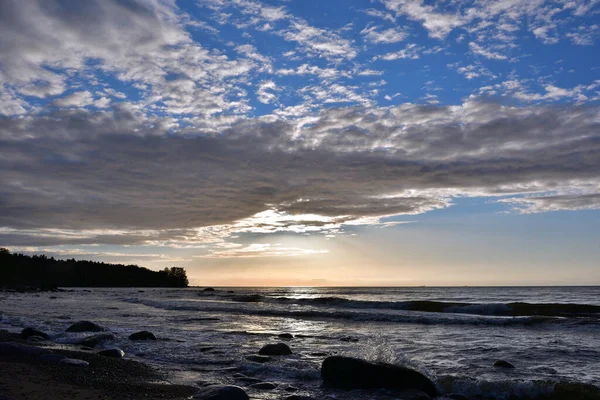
(36, 373)
(33, 367)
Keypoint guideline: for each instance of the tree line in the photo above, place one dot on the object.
(40, 271)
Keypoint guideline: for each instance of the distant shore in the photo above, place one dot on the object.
(105, 378)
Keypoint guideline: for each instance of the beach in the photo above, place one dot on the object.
(478, 343)
(104, 378)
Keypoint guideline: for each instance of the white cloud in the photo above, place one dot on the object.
(410, 52)
(264, 93)
(487, 53)
(392, 35)
(76, 99)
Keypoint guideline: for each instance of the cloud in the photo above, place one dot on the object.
(410, 52)
(392, 35)
(255, 250)
(120, 176)
(263, 93)
(555, 202)
(76, 99)
(487, 53)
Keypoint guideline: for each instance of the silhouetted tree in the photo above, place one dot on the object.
(41, 271)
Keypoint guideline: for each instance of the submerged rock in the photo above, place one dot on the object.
(263, 386)
(503, 364)
(259, 359)
(85, 326)
(142, 335)
(28, 332)
(286, 336)
(277, 349)
(221, 392)
(353, 373)
(116, 353)
(95, 340)
(73, 362)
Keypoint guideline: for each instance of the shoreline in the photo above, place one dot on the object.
(105, 378)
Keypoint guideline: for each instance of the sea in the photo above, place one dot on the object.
(452, 334)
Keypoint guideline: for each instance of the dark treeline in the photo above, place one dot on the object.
(18, 270)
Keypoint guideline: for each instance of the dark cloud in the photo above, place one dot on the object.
(120, 170)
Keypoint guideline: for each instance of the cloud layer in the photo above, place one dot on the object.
(160, 123)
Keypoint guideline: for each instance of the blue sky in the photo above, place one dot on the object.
(270, 141)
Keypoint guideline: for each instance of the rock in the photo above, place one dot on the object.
(259, 359)
(353, 373)
(503, 364)
(85, 326)
(263, 386)
(247, 298)
(348, 339)
(73, 362)
(95, 340)
(209, 289)
(286, 336)
(51, 358)
(413, 395)
(319, 354)
(221, 392)
(28, 332)
(116, 353)
(142, 335)
(17, 350)
(277, 349)
(291, 389)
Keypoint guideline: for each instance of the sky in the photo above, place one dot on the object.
(279, 142)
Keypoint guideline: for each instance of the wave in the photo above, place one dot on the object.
(515, 309)
(349, 315)
(518, 389)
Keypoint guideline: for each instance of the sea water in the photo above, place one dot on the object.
(451, 334)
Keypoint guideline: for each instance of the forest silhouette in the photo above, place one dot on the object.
(40, 271)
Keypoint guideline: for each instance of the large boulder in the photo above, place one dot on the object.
(277, 349)
(85, 326)
(28, 332)
(221, 392)
(142, 335)
(95, 340)
(353, 373)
